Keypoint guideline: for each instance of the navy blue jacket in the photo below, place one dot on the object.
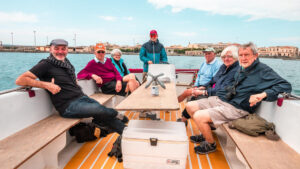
(224, 77)
(152, 51)
(255, 79)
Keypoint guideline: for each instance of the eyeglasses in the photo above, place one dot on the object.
(100, 51)
(226, 56)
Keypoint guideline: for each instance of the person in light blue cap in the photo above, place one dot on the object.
(207, 71)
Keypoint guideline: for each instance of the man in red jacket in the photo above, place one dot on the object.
(102, 70)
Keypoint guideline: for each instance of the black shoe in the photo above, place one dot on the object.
(180, 120)
(125, 119)
(205, 148)
(105, 130)
(117, 149)
(197, 138)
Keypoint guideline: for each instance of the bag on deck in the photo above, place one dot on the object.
(254, 125)
(85, 132)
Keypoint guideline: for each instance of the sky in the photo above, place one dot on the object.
(178, 22)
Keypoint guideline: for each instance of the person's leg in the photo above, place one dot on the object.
(144, 77)
(132, 85)
(203, 120)
(192, 107)
(85, 107)
(128, 77)
(185, 94)
(109, 87)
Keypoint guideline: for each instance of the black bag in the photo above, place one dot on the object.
(85, 132)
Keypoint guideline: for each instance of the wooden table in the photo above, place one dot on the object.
(141, 99)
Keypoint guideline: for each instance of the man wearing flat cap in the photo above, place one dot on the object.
(57, 75)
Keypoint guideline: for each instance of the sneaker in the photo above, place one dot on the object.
(143, 114)
(122, 117)
(125, 119)
(180, 120)
(197, 138)
(205, 148)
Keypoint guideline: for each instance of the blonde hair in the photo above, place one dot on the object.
(113, 52)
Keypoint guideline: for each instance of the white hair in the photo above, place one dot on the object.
(113, 52)
(233, 49)
(250, 45)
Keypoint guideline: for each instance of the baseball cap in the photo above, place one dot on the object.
(153, 32)
(209, 50)
(57, 42)
(99, 46)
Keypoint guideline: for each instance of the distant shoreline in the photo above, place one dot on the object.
(130, 53)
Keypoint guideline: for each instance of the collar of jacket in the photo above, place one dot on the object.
(253, 65)
(157, 41)
(98, 61)
(235, 64)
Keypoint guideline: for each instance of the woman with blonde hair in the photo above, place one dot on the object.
(132, 82)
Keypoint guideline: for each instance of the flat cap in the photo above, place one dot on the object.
(57, 42)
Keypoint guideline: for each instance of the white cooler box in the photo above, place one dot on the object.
(154, 145)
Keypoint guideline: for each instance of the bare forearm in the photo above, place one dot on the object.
(29, 79)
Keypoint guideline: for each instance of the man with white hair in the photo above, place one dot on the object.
(253, 82)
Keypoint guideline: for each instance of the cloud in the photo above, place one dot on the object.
(114, 18)
(108, 18)
(128, 18)
(254, 9)
(17, 17)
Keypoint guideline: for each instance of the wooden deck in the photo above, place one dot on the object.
(94, 154)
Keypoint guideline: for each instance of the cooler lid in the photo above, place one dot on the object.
(161, 130)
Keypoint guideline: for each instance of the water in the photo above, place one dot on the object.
(13, 64)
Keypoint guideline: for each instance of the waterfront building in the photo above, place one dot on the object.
(171, 50)
(283, 51)
(194, 53)
(262, 51)
(217, 46)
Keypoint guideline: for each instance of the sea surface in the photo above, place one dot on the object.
(14, 64)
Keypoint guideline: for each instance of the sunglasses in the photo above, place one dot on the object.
(153, 35)
(100, 51)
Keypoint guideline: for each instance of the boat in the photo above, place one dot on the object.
(24, 108)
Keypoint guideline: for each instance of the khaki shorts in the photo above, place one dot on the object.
(219, 111)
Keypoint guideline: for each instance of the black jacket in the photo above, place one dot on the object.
(255, 79)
